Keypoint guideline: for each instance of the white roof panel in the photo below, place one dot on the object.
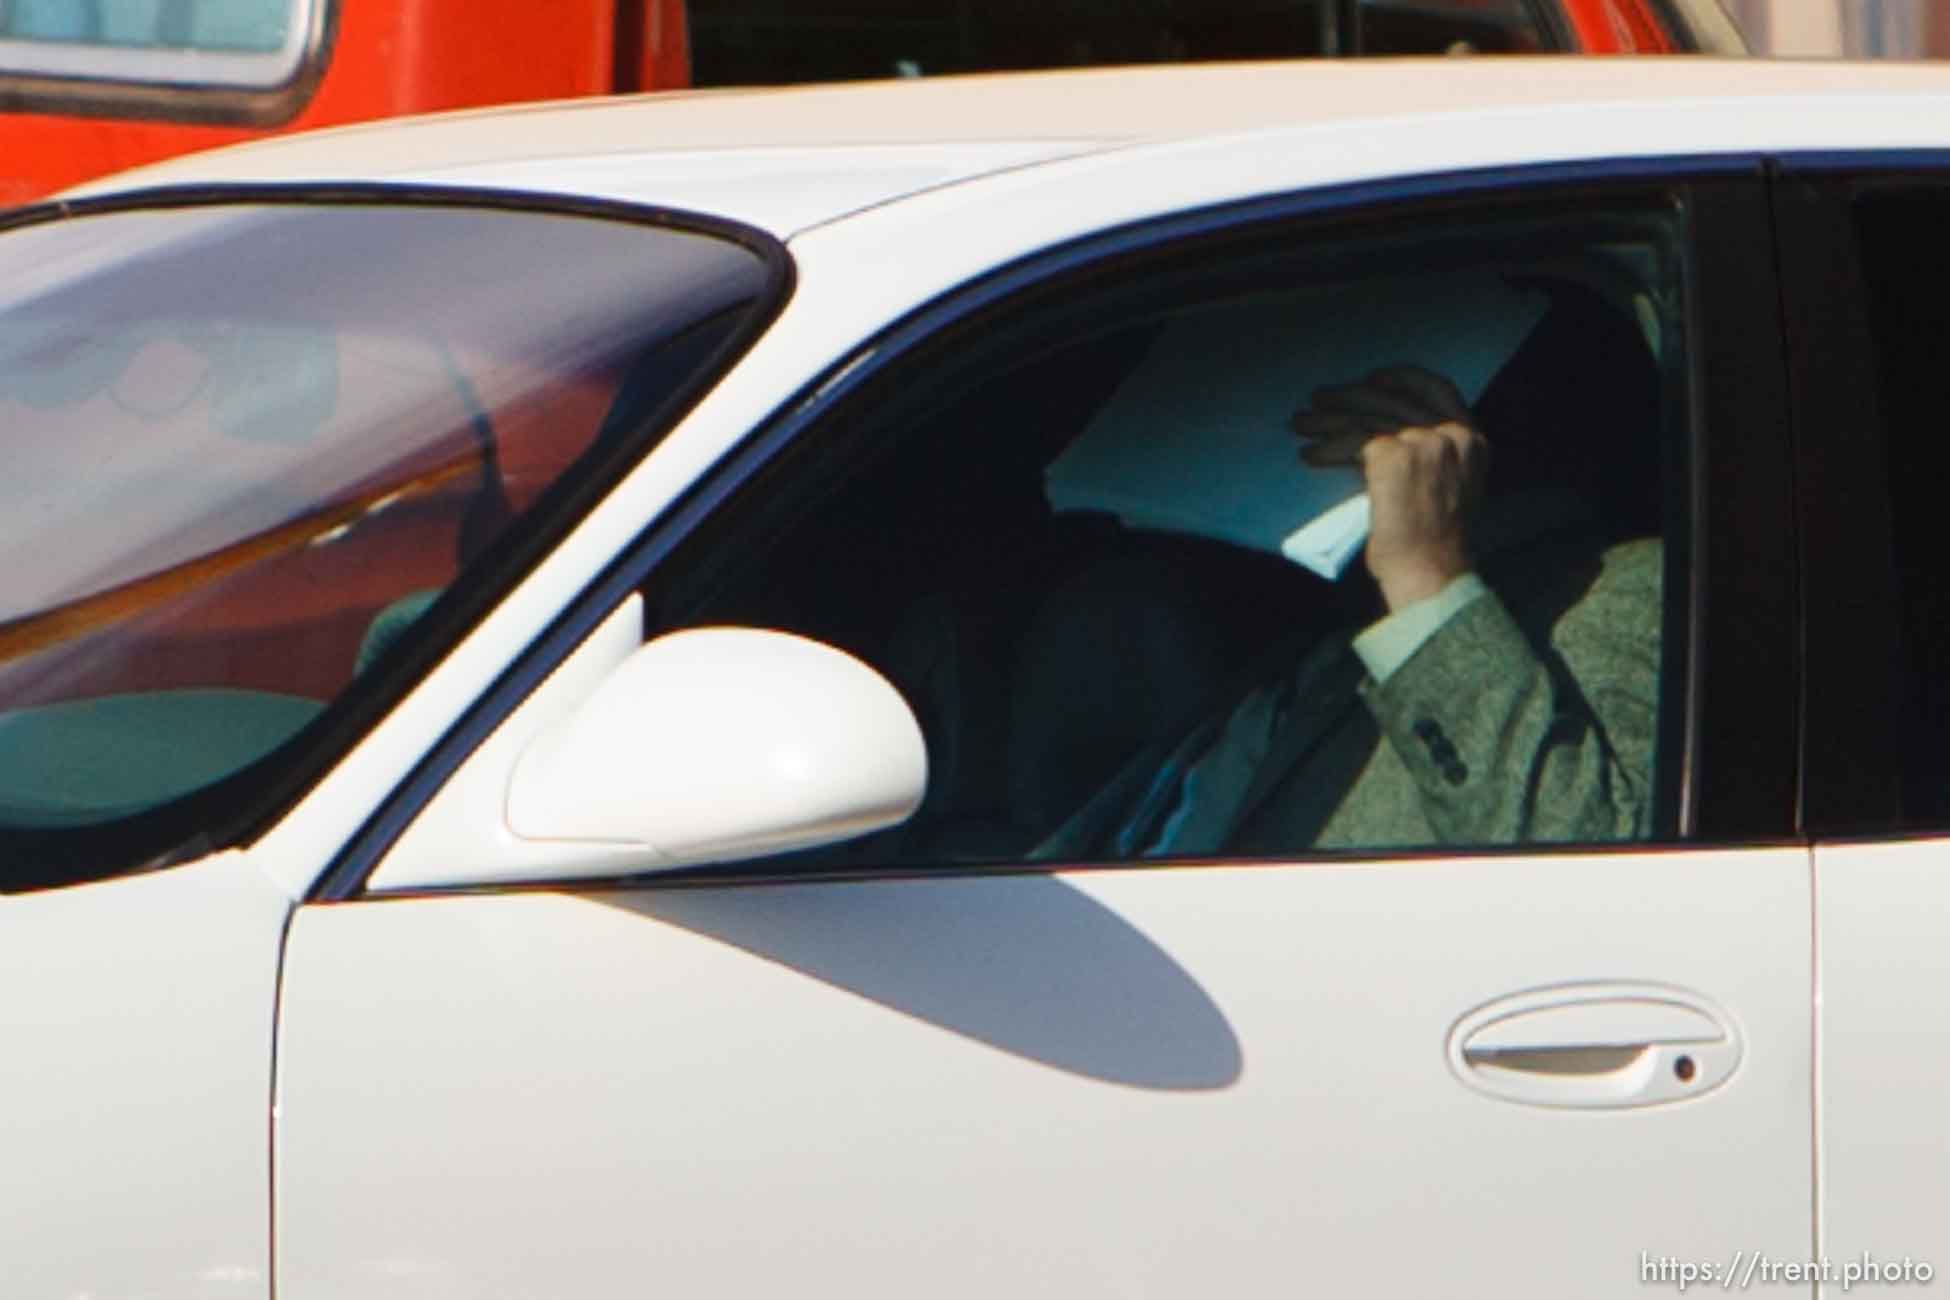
(779, 189)
(786, 159)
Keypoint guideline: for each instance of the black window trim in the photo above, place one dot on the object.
(202, 87)
(1748, 664)
(1754, 812)
(241, 807)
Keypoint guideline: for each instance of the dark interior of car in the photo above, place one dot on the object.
(1907, 274)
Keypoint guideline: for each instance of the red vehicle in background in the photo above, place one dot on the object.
(89, 87)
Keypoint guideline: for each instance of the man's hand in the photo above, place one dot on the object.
(1410, 433)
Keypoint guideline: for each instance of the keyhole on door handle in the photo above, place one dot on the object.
(1684, 1069)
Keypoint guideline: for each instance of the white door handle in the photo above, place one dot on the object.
(1595, 1045)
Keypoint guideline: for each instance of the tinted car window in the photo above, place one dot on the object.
(1083, 545)
(1907, 274)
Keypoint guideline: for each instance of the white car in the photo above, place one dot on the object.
(699, 696)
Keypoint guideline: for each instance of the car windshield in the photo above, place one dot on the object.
(249, 445)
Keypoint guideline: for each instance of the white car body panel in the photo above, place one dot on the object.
(777, 190)
(1200, 1080)
(1884, 1131)
(139, 1017)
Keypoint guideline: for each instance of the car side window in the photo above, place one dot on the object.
(1133, 623)
(1907, 278)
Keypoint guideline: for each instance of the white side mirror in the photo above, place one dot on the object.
(631, 758)
(715, 744)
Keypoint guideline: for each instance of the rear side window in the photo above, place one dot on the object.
(739, 42)
(1907, 274)
(257, 450)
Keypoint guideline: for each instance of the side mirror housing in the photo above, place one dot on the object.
(707, 745)
(715, 744)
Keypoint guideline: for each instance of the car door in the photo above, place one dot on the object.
(1863, 248)
(998, 1050)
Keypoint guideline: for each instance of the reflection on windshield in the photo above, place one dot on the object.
(240, 439)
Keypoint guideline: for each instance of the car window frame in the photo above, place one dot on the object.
(241, 807)
(1746, 753)
(1744, 806)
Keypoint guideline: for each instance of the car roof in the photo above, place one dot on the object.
(785, 159)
